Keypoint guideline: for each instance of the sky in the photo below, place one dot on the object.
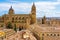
(48, 8)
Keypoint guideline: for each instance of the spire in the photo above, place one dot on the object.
(11, 11)
(44, 16)
(11, 8)
(33, 10)
(33, 5)
(44, 20)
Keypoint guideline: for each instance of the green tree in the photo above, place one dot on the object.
(15, 29)
(1, 25)
(9, 25)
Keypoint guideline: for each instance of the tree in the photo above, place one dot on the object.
(1, 25)
(15, 29)
(9, 25)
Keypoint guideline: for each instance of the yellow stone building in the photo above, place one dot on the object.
(22, 21)
(19, 20)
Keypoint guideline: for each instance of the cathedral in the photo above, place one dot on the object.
(19, 20)
(44, 29)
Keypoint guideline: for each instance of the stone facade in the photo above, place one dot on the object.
(49, 21)
(41, 31)
(20, 20)
(10, 34)
(50, 36)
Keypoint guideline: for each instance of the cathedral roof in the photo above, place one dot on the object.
(44, 28)
(11, 8)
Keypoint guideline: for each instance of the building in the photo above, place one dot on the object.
(21, 21)
(46, 30)
(21, 35)
(44, 20)
(49, 21)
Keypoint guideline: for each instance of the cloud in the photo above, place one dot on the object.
(18, 7)
(47, 8)
(42, 8)
(58, 0)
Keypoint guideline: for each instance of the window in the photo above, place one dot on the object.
(12, 18)
(47, 34)
(57, 34)
(16, 18)
(51, 34)
(42, 34)
(22, 17)
(54, 34)
(19, 18)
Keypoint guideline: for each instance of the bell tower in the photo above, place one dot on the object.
(44, 20)
(33, 14)
(11, 11)
(33, 11)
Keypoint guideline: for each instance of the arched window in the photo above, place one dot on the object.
(23, 18)
(42, 34)
(12, 18)
(50, 34)
(57, 34)
(47, 34)
(16, 18)
(19, 18)
(54, 34)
